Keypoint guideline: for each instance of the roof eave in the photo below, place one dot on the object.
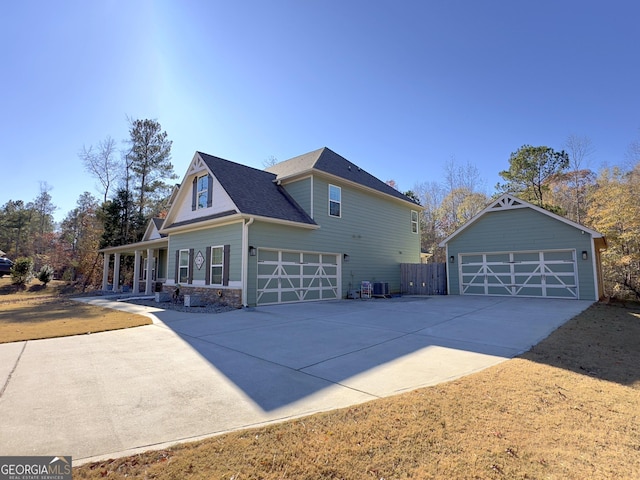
(314, 171)
(280, 221)
(202, 224)
(130, 247)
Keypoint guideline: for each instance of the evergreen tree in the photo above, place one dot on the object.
(122, 222)
(530, 169)
(148, 165)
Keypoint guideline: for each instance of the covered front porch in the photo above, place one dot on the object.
(149, 266)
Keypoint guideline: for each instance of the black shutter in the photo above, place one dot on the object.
(209, 190)
(177, 270)
(225, 265)
(207, 272)
(190, 266)
(194, 193)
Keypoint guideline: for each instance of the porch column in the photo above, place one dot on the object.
(136, 272)
(105, 271)
(116, 273)
(150, 260)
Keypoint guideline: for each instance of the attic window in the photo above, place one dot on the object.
(202, 191)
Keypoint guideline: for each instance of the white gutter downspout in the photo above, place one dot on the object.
(446, 257)
(245, 260)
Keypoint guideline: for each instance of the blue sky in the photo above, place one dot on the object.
(398, 88)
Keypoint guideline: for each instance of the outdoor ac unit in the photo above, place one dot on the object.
(380, 289)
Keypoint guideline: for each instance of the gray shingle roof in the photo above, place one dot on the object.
(158, 223)
(328, 161)
(254, 191)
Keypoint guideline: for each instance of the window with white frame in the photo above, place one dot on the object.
(217, 265)
(153, 268)
(335, 201)
(183, 267)
(202, 192)
(414, 221)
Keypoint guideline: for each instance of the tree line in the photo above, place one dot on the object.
(134, 183)
(134, 187)
(560, 181)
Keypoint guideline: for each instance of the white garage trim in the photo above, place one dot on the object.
(547, 273)
(295, 276)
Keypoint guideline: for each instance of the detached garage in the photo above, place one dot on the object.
(515, 248)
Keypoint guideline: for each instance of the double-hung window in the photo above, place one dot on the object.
(153, 268)
(414, 221)
(335, 201)
(202, 187)
(183, 266)
(217, 265)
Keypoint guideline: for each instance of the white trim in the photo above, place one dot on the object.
(312, 195)
(245, 260)
(182, 199)
(446, 259)
(594, 270)
(542, 268)
(283, 280)
(509, 202)
(131, 247)
(235, 218)
(416, 222)
(151, 232)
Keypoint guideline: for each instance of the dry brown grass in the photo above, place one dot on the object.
(46, 312)
(568, 409)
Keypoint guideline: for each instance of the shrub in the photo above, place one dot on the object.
(45, 275)
(22, 272)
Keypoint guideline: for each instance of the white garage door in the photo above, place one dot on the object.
(549, 274)
(288, 276)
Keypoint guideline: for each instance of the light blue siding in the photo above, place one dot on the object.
(300, 191)
(374, 232)
(200, 240)
(519, 230)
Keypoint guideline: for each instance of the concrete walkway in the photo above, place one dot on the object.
(192, 375)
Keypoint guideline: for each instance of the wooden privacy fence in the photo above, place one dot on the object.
(423, 278)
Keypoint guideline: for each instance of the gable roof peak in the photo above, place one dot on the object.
(253, 190)
(508, 201)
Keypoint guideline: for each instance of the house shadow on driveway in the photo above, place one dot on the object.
(341, 352)
(194, 375)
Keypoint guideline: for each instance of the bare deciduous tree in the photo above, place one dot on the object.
(270, 161)
(102, 163)
(579, 149)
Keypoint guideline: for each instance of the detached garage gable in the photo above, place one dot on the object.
(514, 248)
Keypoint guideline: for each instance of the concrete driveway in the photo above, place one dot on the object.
(190, 376)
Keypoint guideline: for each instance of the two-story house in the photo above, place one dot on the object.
(310, 228)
